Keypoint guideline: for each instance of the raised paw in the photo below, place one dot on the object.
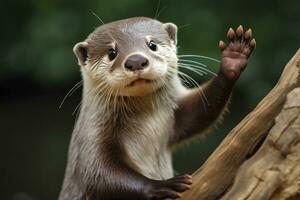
(170, 188)
(234, 56)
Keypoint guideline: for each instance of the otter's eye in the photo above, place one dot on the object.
(152, 45)
(112, 54)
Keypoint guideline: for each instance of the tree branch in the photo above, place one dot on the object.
(276, 166)
(215, 177)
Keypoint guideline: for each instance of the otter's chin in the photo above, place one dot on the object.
(140, 87)
(140, 82)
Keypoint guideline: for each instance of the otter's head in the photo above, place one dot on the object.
(131, 57)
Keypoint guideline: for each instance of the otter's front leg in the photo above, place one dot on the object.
(201, 107)
(118, 180)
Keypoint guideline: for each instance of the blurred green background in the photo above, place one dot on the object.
(38, 68)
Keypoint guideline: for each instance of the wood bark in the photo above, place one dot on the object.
(237, 171)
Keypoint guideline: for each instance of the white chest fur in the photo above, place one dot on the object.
(147, 147)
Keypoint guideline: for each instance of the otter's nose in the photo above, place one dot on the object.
(136, 62)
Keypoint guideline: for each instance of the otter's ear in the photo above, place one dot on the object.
(172, 31)
(81, 52)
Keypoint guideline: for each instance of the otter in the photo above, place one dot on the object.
(135, 109)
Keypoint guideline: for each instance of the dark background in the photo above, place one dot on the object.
(38, 68)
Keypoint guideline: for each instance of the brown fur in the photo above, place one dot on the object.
(120, 146)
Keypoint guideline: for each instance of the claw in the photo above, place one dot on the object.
(222, 45)
(248, 35)
(253, 43)
(189, 180)
(230, 34)
(239, 31)
(189, 176)
(174, 195)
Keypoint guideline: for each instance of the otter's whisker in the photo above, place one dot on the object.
(197, 71)
(194, 62)
(199, 67)
(161, 10)
(71, 91)
(98, 18)
(201, 93)
(193, 82)
(76, 109)
(201, 90)
(199, 64)
(157, 9)
(199, 56)
(181, 27)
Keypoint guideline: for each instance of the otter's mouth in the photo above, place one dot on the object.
(139, 82)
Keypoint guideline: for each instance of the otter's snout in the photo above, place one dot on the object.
(136, 62)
